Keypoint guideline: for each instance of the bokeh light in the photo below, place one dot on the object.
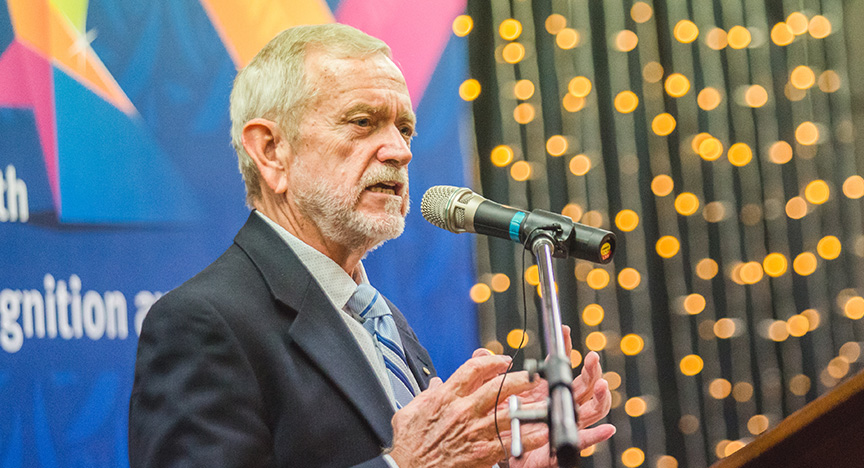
(572, 103)
(633, 457)
(725, 328)
(598, 278)
(524, 113)
(854, 308)
(694, 304)
(592, 315)
(716, 39)
(781, 34)
(706, 269)
(775, 264)
(510, 29)
(596, 341)
(635, 407)
(556, 145)
(799, 385)
(629, 278)
(685, 31)
(632, 344)
(829, 81)
(580, 165)
(739, 154)
(652, 72)
(686, 204)
(819, 27)
(719, 388)
(691, 365)
(757, 424)
(708, 99)
(469, 89)
(513, 52)
(780, 152)
(502, 155)
(755, 96)
(626, 40)
(500, 282)
(797, 23)
(523, 89)
(532, 275)
(462, 25)
(579, 86)
(853, 187)
(829, 247)
(817, 192)
(480, 293)
(805, 263)
(667, 246)
(567, 38)
(663, 124)
(520, 171)
(516, 337)
(627, 220)
(662, 185)
(802, 77)
(677, 85)
(796, 208)
(739, 37)
(641, 12)
(555, 23)
(626, 102)
(573, 211)
(710, 149)
(797, 325)
(807, 133)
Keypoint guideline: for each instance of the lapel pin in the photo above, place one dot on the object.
(426, 370)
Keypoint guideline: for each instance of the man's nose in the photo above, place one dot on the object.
(394, 149)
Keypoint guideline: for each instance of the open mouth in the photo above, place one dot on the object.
(388, 187)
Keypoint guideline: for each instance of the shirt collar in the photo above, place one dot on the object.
(337, 285)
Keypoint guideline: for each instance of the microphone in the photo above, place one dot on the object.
(461, 210)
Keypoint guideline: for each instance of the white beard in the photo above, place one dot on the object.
(336, 216)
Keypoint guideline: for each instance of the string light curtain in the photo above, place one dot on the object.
(718, 140)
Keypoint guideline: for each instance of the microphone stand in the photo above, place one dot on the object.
(561, 413)
(563, 430)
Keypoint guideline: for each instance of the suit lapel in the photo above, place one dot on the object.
(317, 330)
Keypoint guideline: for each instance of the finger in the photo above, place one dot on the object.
(595, 435)
(479, 352)
(484, 399)
(568, 340)
(474, 373)
(598, 407)
(583, 385)
(434, 382)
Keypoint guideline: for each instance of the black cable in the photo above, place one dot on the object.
(518, 349)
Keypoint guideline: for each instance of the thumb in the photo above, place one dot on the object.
(434, 383)
(480, 352)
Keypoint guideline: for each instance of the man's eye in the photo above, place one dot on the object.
(407, 131)
(362, 122)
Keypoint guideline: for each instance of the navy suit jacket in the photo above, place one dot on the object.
(248, 364)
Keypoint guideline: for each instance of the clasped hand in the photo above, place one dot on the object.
(451, 424)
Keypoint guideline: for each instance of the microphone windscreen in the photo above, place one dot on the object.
(433, 206)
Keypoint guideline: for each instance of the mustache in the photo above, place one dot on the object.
(384, 174)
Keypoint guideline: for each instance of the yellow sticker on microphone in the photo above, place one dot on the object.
(605, 250)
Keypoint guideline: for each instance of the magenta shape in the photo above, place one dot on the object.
(417, 32)
(26, 82)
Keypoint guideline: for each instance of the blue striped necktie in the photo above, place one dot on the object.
(368, 303)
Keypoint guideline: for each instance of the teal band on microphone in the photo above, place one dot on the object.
(515, 222)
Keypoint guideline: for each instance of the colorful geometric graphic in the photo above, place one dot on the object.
(114, 119)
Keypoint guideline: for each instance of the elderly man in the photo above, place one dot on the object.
(281, 353)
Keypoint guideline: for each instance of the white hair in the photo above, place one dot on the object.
(274, 85)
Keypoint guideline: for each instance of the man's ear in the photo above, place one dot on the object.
(265, 143)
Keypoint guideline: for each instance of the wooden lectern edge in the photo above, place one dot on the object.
(794, 423)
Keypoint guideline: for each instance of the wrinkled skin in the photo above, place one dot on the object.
(451, 424)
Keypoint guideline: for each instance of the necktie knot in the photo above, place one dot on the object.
(368, 303)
